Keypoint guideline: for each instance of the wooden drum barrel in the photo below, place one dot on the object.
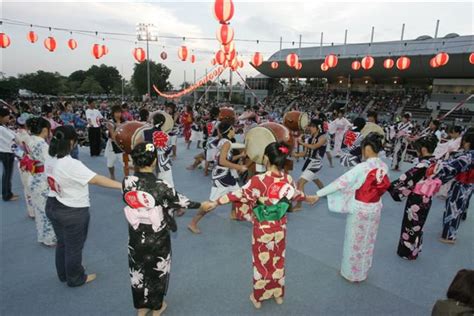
(296, 120)
(227, 115)
(129, 134)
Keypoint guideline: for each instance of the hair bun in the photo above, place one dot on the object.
(59, 135)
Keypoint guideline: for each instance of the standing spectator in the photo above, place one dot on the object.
(126, 116)
(7, 138)
(69, 118)
(93, 119)
(460, 296)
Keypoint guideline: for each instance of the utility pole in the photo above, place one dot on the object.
(147, 32)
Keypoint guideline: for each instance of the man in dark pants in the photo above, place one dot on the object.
(6, 155)
(94, 120)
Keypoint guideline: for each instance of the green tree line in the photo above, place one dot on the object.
(101, 79)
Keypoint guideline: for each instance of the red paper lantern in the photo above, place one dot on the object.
(225, 34)
(471, 58)
(223, 10)
(441, 59)
(367, 62)
(257, 59)
(50, 43)
(355, 65)
(183, 53)
(163, 55)
(4, 40)
(274, 65)
(105, 50)
(139, 54)
(241, 64)
(213, 61)
(292, 60)
(193, 59)
(324, 67)
(388, 63)
(72, 44)
(331, 60)
(403, 63)
(227, 48)
(220, 57)
(97, 51)
(32, 37)
(433, 63)
(231, 55)
(299, 66)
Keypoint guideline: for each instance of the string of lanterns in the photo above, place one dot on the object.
(224, 11)
(211, 76)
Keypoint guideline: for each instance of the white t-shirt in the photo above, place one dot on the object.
(68, 180)
(94, 116)
(7, 138)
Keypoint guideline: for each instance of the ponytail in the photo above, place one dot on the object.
(61, 143)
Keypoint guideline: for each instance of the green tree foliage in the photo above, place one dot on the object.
(108, 77)
(91, 86)
(9, 87)
(159, 75)
(41, 82)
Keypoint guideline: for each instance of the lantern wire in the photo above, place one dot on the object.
(113, 36)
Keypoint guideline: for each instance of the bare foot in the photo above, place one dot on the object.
(256, 304)
(161, 310)
(190, 168)
(142, 311)
(279, 300)
(13, 198)
(194, 229)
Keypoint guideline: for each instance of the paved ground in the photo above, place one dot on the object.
(211, 273)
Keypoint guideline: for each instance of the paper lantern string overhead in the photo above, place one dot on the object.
(324, 67)
(388, 63)
(4, 40)
(331, 60)
(32, 37)
(225, 34)
(367, 62)
(355, 65)
(163, 55)
(441, 59)
(72, 44)
(433, 63)
(97, 51)
(193, 59)
(403, 63)
(257, 59)
(471, 58)
(274, 65)
(220, 57)
(50, 43)
(223, 10)
(139, 54)
(292, 60)
(183, 53)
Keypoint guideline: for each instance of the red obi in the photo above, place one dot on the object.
(374, 187)
(466, 177)
(30, 165)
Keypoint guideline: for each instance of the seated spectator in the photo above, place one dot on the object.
(460, 295)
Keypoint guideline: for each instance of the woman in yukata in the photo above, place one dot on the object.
(358, 193)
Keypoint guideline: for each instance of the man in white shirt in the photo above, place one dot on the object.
(7, 139)
(94, 120)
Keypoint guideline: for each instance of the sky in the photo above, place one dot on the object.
(263, 20)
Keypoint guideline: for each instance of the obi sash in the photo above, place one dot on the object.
(466, 177)
(375, 185)
(148, 216)
(271, 212)
(30, 165)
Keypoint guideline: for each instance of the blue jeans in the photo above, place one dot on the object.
(7, 159)
(70, 225)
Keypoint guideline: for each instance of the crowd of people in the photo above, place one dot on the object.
(44, 139)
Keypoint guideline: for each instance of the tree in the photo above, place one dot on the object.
(106, 76)
(159, 75)
(78, 76)
(9, 88)
(90, 86)
(185, 85)
(41, 82)
(224, 83)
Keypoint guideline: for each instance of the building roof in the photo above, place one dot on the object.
(420, 51)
